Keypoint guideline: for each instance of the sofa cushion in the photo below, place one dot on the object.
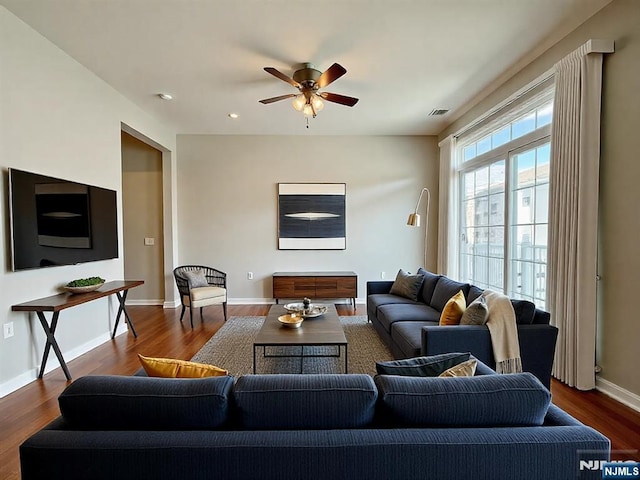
(172, 368)
(379, 299)
(476, 313)
(144, 403)
(428, 285)
(524, 310)
(407, 336)
(407, 285)
(299, 402)
(481, 401)
(453, 310)
(474, 293)
(445, 289)
(422, 366)
(464, 369)
(416, 312)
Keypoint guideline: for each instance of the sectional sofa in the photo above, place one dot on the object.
(311, 427)
(410, 328)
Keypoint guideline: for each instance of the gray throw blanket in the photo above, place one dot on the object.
(504, 333)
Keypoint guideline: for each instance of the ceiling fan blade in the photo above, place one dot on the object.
(330, 75)
(282, 76)
(266, 101)
(341, 99)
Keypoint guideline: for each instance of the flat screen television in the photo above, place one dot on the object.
(58, 222)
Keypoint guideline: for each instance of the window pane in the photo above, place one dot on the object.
(544, 115)
(469, 213)
(496, 209)
(465, 246)
(480, 271)
(524, 169)
(541, 285)
(523, 208)
(524, 125)
(484, 145)
(496, 242)
(469, 184)
(482, 181)
(496, 273)
(522, 239)
(465, 268)
(543, 155)
(482, 211)
(469, 152)
(496, 177)
(540, 243)
(542, 203)
(501, 137)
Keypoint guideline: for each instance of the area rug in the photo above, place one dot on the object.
(231, 348)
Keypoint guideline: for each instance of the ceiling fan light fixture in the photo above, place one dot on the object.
(317, 103)
(307, 110)
(299, 102)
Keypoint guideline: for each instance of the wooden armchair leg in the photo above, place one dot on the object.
(200, 313)
(182, 313)
(191, 316)
(224, 309)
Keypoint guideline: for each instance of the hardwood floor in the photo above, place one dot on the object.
(160, 333)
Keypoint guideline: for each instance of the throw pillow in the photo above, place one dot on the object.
(465, 369)
(431, 366)
(196, 279)
(453, 310)
(476, 313)
(407, 285)
(170, 368)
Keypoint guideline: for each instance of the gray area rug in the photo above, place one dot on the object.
(231, 348)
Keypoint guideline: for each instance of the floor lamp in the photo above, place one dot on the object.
(414, 221)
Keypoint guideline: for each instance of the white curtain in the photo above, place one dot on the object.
(573, 220)
(447, 211)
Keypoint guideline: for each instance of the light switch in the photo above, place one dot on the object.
(149, 241)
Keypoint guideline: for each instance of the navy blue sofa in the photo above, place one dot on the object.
(410, 328)
(311, 427)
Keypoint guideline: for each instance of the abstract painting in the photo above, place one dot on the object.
(312, 216)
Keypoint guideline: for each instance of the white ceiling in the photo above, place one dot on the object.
(403, 57)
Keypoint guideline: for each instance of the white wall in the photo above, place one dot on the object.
(227, 204)
(57, 119)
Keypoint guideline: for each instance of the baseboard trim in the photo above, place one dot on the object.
(29, 376)
(143, 302)
(618, 393)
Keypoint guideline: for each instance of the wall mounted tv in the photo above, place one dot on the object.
(57, 222)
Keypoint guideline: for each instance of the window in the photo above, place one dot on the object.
(504, 190)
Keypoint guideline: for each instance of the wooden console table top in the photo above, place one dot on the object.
(315, 274)
(58, 302)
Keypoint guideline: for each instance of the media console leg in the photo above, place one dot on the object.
(51, 342)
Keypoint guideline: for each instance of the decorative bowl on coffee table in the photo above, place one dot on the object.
(291, 320)
(312, 312)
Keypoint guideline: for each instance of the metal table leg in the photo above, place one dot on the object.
(51, 342)
(122, 298)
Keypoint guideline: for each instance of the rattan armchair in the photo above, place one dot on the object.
(196, 294)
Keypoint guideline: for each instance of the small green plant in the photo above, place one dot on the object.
(85, 282)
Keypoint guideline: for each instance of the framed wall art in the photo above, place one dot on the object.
(312, 216)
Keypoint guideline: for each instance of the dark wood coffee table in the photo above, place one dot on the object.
(325, 330)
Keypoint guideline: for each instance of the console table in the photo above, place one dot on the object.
(62, 301)
(315, 285)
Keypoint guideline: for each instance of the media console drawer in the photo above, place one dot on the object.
(296, 285)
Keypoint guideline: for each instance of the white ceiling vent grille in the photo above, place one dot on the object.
(438, 111)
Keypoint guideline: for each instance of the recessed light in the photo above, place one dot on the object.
(233, 115)
(165, 96)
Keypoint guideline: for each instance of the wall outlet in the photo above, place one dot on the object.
(8, 330)
(249, 275)
(149, 241)
(383, 275)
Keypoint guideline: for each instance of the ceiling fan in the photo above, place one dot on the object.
(308, 80)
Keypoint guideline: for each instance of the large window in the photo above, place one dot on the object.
(504, 189)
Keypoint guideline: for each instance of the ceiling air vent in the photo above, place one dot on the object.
(438, 111)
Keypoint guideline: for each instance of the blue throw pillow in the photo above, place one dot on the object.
(428, 285)
(445, 289)
(511, 400)
(431, 366)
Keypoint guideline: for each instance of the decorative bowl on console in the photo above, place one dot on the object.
(84, 285)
